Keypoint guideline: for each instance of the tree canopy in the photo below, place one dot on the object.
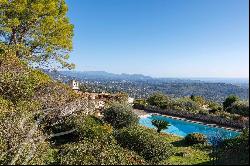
(229, 101)
(160, 124)
(38, 30)
(159, 100)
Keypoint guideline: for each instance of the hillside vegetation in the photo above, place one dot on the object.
(45, 122)
(30, 99)
(233, 112)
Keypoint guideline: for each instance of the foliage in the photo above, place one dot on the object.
(195, 138)
(38, 31)
(93, 128)
(146, 142)
(16, 86)
(120, 115)
(158, 99)
(55, 95)
(21, 140)
(239, 107)
(160, 125)
(229, 101)
(27, 97)
(91, 143)
(40, 79)
(140, 104)
(92, 152)
(19, 86)
(185, 104)
(79, 126)
(214, 107)
(17, 81)
(121, 97)
(235, 151)
(198, 99)
(213, 112)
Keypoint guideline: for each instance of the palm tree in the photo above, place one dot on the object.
(160, 124)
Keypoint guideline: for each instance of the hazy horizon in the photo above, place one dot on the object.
(245, 78)
(162, 38)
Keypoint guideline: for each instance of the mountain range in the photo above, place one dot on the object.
(103, 75)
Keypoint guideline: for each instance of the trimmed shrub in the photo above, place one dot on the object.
(195, 138)
(94, 128)
(92, 152)
(120, 115)
(146, 142)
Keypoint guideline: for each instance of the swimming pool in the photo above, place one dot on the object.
(182, 128)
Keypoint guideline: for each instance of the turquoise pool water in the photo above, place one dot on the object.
(182, 128)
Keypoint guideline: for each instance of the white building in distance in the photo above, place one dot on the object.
(130, 100)
(74, 85)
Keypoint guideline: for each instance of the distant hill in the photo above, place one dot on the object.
(140, 86)
(97, 75)
(103, 75)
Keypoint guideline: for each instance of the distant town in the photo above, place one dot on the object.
(140, 86)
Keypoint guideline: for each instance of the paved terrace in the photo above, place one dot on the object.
(140, 112)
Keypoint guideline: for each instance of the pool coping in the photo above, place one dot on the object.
(192, 121)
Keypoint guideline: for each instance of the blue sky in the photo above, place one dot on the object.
(161, 38)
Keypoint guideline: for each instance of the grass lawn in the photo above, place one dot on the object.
(186, 155)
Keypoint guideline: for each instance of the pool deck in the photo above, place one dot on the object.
(144, 114)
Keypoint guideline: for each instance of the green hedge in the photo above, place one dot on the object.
(94, 128)
(146, 142)
(195, 138)
(92, 152)
(120, 115)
